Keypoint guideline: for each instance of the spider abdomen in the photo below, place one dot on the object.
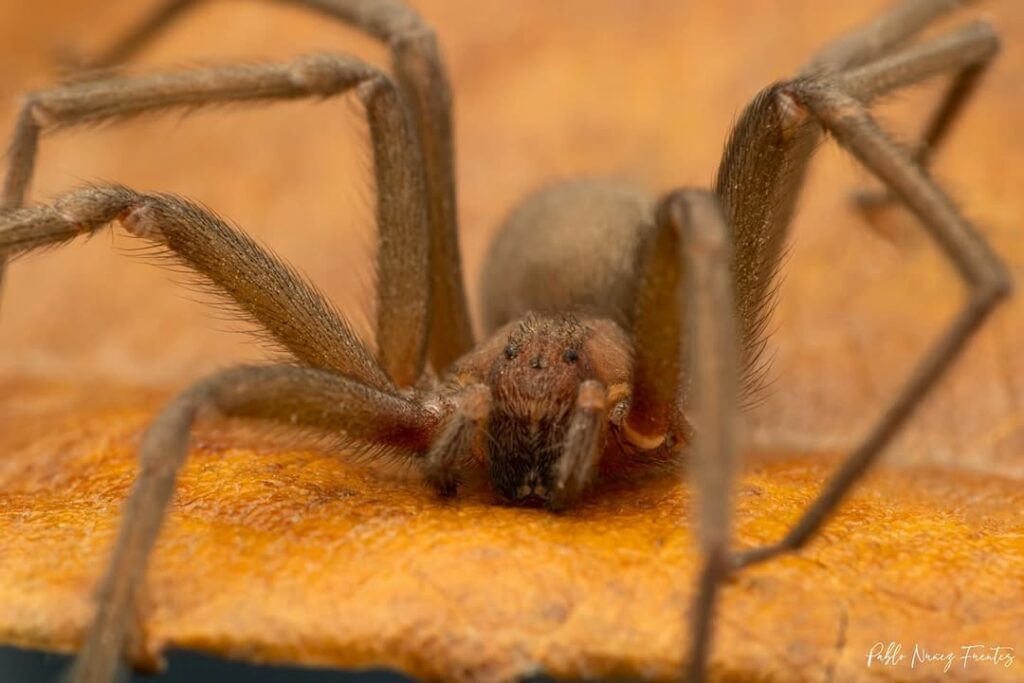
(569, 246)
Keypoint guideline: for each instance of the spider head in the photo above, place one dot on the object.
(534, 382)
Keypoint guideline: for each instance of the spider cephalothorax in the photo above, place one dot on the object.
(599, 301)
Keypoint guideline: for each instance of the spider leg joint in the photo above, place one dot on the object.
(92, 208)
(327, 74)
(791, 110)
(38, 111)
(139, 220)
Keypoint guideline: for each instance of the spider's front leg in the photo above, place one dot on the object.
(685, 355)
(758, 184)
(291, 396)
(360, 400)
(772, 135)
(298, 319)
(984, 274)
(290, 311)
(423, 80)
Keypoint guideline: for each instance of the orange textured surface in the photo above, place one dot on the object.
(290, 555)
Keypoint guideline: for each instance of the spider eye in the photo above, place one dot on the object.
(510, 352)
(571, 356)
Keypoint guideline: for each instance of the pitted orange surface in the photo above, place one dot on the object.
(290, 555)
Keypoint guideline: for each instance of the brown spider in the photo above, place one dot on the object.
(608, 314)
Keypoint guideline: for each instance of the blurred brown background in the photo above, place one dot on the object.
(543, 90)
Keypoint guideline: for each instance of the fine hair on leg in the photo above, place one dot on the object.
(422, 78)
(758, 183)
(403, 264)
(768, 151)
(846, 118)
(289, 311)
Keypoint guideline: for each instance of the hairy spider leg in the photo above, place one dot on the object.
(423, 80)
(403, 292)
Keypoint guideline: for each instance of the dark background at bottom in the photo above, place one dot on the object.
(26, 666)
